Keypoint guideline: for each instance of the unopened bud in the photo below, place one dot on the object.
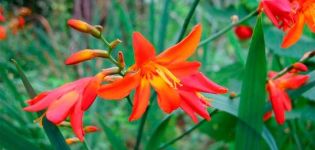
(84, 27)
(99, 28)
(121, 59)
(85, 55)
(300, 67)
(112, 78)
(24, 11)
(115, 43)
(110, 71)
(73, 140)
(91, 129)
(232, 95)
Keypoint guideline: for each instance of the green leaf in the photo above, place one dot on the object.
(117, 143)
(11, 140)
(158, 134)
(52, 131)
(253, 95)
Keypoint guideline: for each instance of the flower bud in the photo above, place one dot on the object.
(73, 140)
(234, 19)
(90, 129)
(85, 55)
(299, 67)
(232, 95)
(84, 27)
(121, 59)
(115, 43)
(24, 11)
(243, 32)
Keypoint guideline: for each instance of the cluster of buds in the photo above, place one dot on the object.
(15, 23)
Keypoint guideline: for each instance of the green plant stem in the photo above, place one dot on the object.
(86, 145)
(141, 127)
(186, 132)
(129, 100)
(187, 19)
(227, 28)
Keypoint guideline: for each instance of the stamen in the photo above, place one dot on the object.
(168, 76)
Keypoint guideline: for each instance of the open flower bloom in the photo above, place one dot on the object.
(278, 96)
(280, 12)
(163, 72)
(304, 14)
(67, 101)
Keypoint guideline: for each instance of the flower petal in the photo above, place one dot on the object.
(201, 83)
(59, 109)
(276, 102)
(143, 49)
(120, 88)
(183, 50)
(194, 102)
(184, 68)
(90, 93)
(168, 97)
(294, 81)
(188, 110)
(76, 121)
(141, 100)
(38, 98)
(295, 33)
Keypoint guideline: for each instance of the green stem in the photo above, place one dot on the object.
(187, 19)
(140, 130)
(186, 132)
(86, 145)
(224, 30)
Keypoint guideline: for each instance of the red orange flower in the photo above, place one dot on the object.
(84, 27)
(304, 14)
(164, 73)
(280, 100)
(243, 32)
(67, 101)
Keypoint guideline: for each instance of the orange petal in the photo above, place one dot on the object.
(59, 110)
(76, 121)
(182, 50)
(141, 100)
(309, 15)
(143, 49)
(184, 68)
(85, 55)
(90, 93)
(120, 88)
(3, 33)
(168, 97)
(295, 81)
(295, 33)
(188, 110)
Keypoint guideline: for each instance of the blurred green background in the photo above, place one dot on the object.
(44, 43)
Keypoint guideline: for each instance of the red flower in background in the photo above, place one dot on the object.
(2, 18)
(164, 73)
(278, 96)
(3, 32)
(67, 101)
(243, 32)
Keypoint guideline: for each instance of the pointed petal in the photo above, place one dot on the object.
(76, 121)
(194, 102)
(90, 93)
(275, 99)
(120, 88)
(296, 81)
(141, 100)
(183, 50)
(38, 98)
(143, 49)
(59, 109)
(168, 97)
(309, 15)
(187, 109)
(295, 33)
(201, 83)
(286, 101)
(184, 68)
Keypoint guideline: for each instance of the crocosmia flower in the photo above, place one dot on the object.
(243, 32)
(67, 101)
(278, 96)
(280, 12)
(304, 14)
(163, 72)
